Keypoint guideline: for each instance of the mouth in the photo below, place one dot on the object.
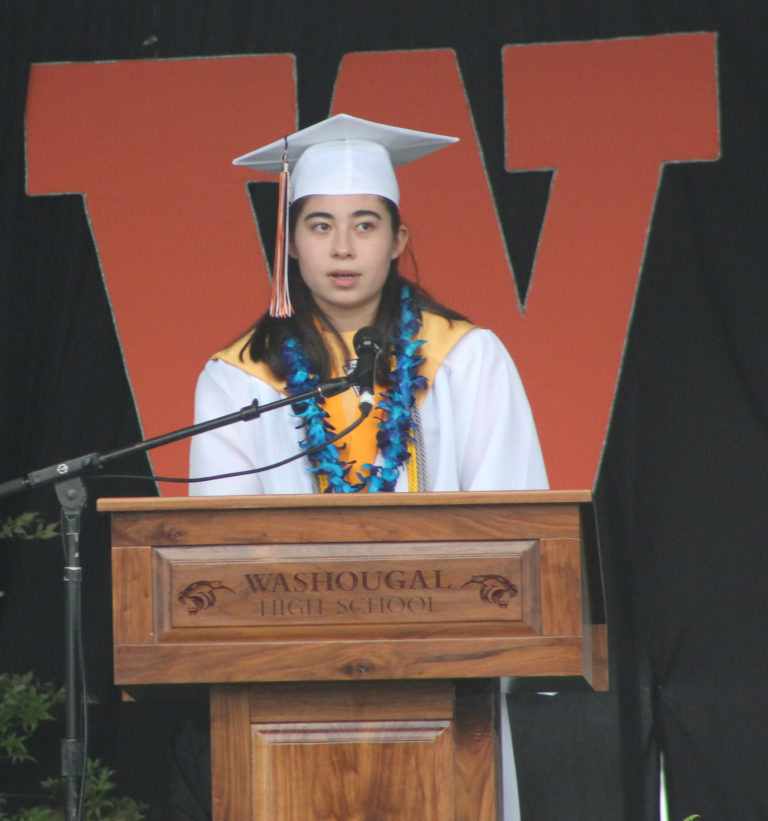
(344, 277)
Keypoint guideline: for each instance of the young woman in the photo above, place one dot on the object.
(451, 412)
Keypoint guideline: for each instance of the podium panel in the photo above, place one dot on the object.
(388, 751)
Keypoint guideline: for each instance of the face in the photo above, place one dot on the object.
(344, 246)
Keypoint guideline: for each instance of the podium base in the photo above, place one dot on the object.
(356, 751)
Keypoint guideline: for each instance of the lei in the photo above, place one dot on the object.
(395, 435)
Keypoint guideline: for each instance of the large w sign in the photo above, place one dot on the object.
(149, 145)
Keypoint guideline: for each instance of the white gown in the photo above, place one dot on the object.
(477, 429)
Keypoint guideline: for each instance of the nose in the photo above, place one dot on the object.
(342, 244)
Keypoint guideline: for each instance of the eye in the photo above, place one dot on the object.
(319, 227)
(364, 227)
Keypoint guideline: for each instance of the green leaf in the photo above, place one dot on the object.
(24, 704)
(27, 526)
(100, 803)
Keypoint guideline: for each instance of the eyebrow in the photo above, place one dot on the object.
(328, 216)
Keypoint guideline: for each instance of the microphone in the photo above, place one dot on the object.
(367, 344)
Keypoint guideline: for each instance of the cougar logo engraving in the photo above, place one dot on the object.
(200, 595)
(494, 589)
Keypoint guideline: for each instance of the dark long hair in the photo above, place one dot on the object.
(266, 339)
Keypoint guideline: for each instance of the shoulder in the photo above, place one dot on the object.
(235, 349)
(440, 336)
(479, 357)
(447, 341)
(480, 341)
(438, 331)
(236, 356)
(219, 377)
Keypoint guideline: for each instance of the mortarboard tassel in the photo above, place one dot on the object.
(280, 301)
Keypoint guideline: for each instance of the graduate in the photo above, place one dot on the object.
(450, 412)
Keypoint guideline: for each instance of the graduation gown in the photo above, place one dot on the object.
(476, 424)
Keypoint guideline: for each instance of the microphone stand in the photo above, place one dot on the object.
(71, 493)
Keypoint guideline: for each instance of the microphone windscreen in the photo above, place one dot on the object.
(367, 338)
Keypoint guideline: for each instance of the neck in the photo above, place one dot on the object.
(350, 321)
(345, 323)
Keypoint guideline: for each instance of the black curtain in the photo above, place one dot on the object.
(679, 496)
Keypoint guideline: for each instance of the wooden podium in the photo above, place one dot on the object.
(352, 642)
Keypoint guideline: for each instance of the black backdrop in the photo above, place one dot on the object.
(681, 491)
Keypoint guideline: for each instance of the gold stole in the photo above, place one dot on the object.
(360, 446)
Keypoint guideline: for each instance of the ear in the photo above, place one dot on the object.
(292, 249)
(400, 241)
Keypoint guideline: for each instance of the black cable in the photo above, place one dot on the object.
(188, 480)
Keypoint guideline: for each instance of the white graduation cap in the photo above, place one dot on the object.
(345, 155)
(340, 155)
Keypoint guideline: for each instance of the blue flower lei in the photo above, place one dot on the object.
(395, 425)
